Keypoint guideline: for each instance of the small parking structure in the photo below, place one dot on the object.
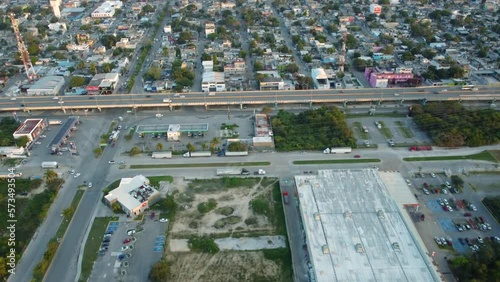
(159, 243)
(446, 224)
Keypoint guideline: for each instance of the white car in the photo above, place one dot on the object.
(130, 232)
(72, 171)
(111, 162)
(38, 143)
(55, 98)
(433, 175)
(77, 174)
(163, 220)
(43, 136)
(13, 99)
(124, 248)
(90, 185)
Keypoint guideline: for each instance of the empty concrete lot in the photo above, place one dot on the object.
(146, 250)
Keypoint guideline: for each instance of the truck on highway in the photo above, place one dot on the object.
(285, 198)
(55, 122)
(167, 101)
(232, 171)
(233, 154)
(197, 154)
(340, 150)
(161, 155)
(114, 135)
(50, 165)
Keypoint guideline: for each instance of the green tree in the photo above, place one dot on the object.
(165, 51)
(266, 110)
(50, 176)
(190, 147)
(153, 73)
(214, 143)
(93, 68)
(292, 68)
(116, 207)
(80, 65)
(351, 41)
(77, 81)
(159, 147)
(135, 151)
(22, 141)
(68, 212)
(204, 146)
(237, 147)
(97, 152)
(159, 271)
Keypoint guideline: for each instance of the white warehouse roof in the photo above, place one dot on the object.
(355, 231)
(47, 85)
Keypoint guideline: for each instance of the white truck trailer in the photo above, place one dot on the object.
(340, 150)
(161, 155)
(232, 171)
(234, 154)
(50, 165)
(197, 154)
(55, 122)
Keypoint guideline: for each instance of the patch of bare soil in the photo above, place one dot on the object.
(223, 266)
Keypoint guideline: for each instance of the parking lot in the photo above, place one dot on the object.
(244, 129)
(464, 223)
(400, 130)
(129, 249)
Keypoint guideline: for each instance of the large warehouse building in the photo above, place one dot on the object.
(48, 85)
(355, 230)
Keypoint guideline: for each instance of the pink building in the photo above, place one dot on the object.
(382, 79)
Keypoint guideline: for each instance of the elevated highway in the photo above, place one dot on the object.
(344, 97)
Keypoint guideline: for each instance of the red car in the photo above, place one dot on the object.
(357, 156)
(126, 241)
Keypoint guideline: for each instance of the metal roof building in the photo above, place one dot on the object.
(30, 128)
(355, 231)
(63, 134)
(48, 85)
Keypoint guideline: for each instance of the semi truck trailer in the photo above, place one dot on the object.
(232, 171)
(162, 155)
(341, 150)
(197, 154)
(234, 154)
(50, 165)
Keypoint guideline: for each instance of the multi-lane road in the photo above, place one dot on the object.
(488, 94)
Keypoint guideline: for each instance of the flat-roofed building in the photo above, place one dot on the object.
(107, 9)
(31, 128)
(134, 195)
(213, 82)
(271, 83)
(320, 78)
(48, 85)
(355, 230)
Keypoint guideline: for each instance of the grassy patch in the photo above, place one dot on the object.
(93, 244)
(199, 165)
(230, 220)
(483, 156)
(220, 184)
(495, 154)
(67, 219)
(385, 130)
(405, 131)
(226, 211)
(358, 127)
(341, 161)
(277, 216)
(155, 180)
(283, 256)
(393, 114)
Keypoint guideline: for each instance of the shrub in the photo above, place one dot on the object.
(203, 244)
(208, 206)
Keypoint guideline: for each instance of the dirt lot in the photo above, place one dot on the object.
(225, 211)
(223, 266)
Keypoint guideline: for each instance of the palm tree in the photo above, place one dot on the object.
(50, 176)
(190, 147)
(159, 147)
(204, 146)
(213, 143)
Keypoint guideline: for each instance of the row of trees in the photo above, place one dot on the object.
(449, 124)
(311, 130)
(482, 265)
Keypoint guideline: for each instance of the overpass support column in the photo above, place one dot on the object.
(345, 104)
(275, 105)
(64, 110)
(241, 106)
(206, 107)
(310, 104)
(379, 102)
(171, 107)
(401, 102)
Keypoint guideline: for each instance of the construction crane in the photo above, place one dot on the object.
(23, 51)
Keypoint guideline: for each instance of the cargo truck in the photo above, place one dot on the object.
(232, 171)
(197, 154)
(260, 172)
(341, 150)
(50, 165)
(167, 101)
(234, 154)
(162, 155)
(55, 122)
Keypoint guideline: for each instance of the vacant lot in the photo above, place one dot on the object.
(221, 208)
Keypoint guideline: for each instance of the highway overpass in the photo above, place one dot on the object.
(274, 98)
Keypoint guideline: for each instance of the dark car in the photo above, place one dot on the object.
(426, 185)
(152, 215)
(467, 214)
(467, 241)
(357, 156)
(106, 240)
(105, 244)
(461, 240)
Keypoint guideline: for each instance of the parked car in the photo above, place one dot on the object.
(433, 175)
(163, 220)
(124, 248)
(90, 185)
(126, 241)
(152, 215)
(111, 162)
(77, 174)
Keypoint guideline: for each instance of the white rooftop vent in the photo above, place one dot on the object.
(395, 247)
(359, 248)
(380, 214)
(317, 216)
(325, 249)
(347, 214)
